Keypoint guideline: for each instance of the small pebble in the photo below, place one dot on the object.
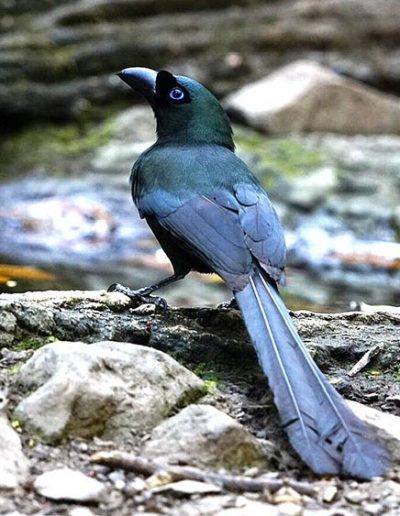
(189, 487)
(159, 479)
(373, 508)
(80, 511)
(286, 495)
(83, 447)
(136, 486)
(356, 496)
(67, 484)
(99, 469)
(329, 494)
(120, 484)
(392, 502)
(289, 509)
(252, 472)
(116, 476)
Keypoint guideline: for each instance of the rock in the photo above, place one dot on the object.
(188, 488)
(134, 131)
(309, 191)
(108, 388)
(246, 507)
(307, 97)
(373, 309)
(290, 509)
(136, 486)
(286, 495)
(388, 426)
(329, 493)
(7, 326)
(14, 467)
(80, 511)
(118, 479)
(201, 435)
(372, 508)
(213, 338)
(356, 496)
(67, 484)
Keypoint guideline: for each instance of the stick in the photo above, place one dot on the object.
(130, 462)
(365, 359)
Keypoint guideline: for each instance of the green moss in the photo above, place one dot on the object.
(16, 424)
(48, 61)
(209, 375)
(15, 368)
(28, 344)
(62, 61)
(52, 146)
(288, 157)
(31, 343)
(211, 385)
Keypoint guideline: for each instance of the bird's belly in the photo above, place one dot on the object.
(183, 258)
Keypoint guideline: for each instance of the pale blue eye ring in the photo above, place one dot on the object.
(177, 94)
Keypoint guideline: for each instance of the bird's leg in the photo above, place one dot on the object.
(143, 295)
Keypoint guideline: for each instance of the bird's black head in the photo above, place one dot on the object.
(185, 110)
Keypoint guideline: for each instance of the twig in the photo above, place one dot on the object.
(130, 462)
(365, 360)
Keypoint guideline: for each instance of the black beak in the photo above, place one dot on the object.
(142, 80)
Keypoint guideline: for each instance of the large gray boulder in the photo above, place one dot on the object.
(111, 389)
(306, 97)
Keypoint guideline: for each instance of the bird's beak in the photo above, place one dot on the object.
(142, 80)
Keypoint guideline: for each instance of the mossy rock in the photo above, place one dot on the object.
(287, 157)
(55, 148)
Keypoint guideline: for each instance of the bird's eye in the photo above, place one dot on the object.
(176, 94)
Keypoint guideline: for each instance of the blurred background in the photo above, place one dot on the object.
(321, 131)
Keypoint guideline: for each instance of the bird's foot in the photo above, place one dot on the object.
(140, 297)
(229, 304)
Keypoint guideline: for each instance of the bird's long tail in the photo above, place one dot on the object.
(321, 427)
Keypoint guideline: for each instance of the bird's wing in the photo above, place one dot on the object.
(262, 229)
(227, 230)
(212, 233)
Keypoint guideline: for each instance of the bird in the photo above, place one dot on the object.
(210, 214)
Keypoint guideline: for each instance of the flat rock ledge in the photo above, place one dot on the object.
(32, 319)
(101, 315)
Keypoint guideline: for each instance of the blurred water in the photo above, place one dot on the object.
(87, 233)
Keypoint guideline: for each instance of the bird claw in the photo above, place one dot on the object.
(232, 304)
(140, 297)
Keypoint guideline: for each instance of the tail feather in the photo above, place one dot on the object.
(322, 428)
